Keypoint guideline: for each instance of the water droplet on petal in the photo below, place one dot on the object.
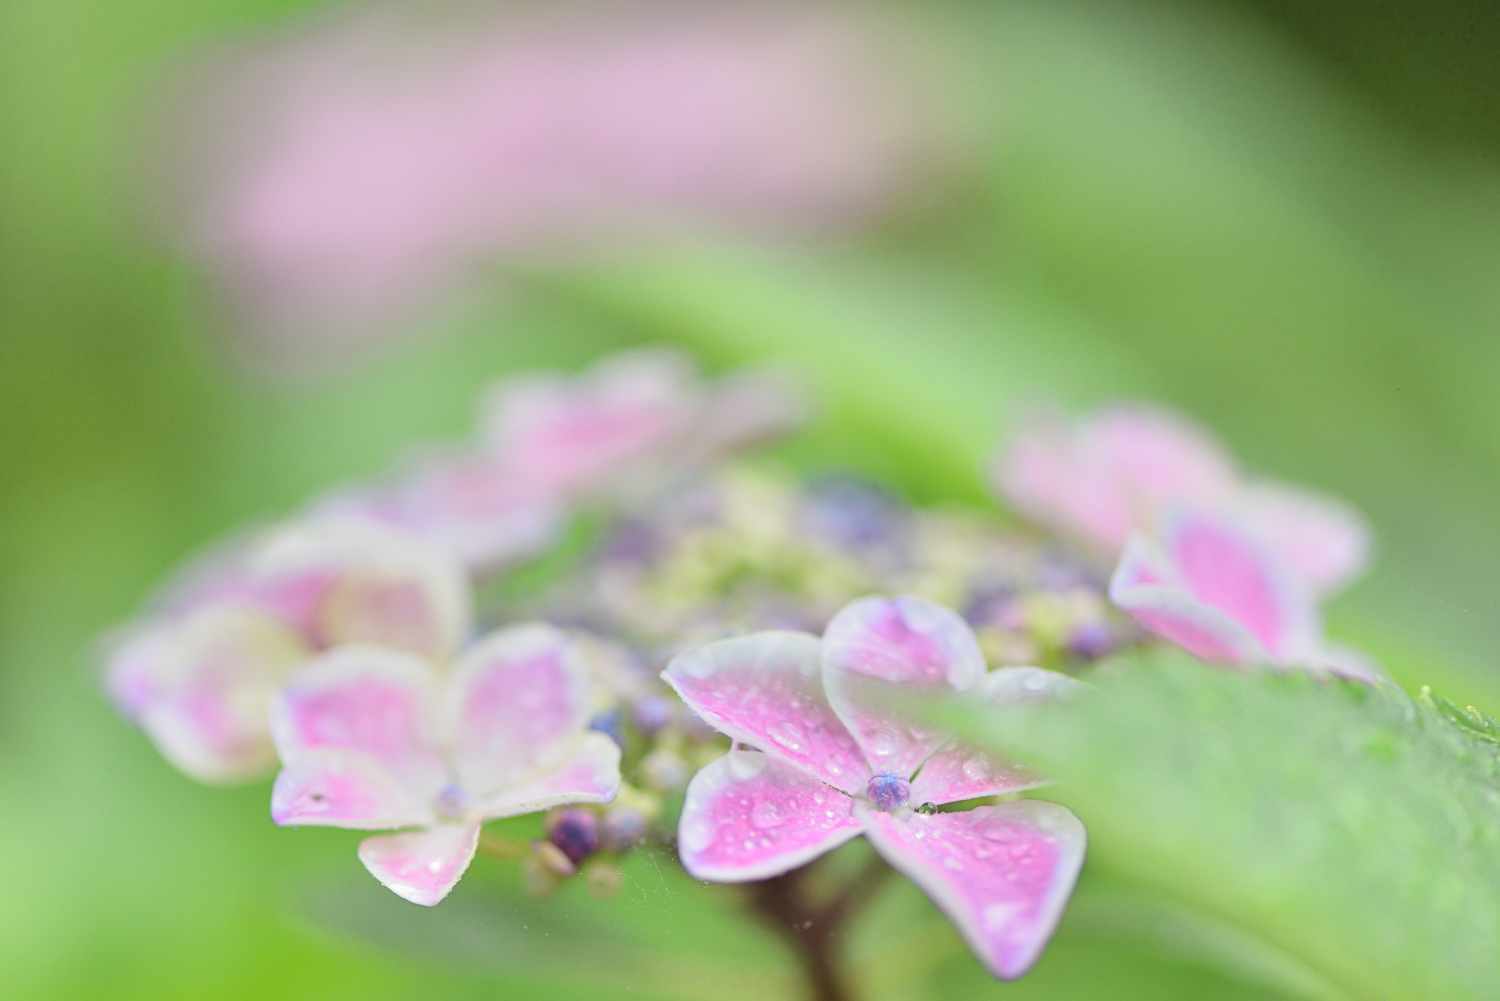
(766, 814)
(788, 735)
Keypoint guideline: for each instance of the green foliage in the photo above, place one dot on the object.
(1350, 829)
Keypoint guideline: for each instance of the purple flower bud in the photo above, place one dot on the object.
(624, 828)
(1092, 640)
(652, 713)
(609, 722)
(575, 833)
(887, 792)
(853, 512)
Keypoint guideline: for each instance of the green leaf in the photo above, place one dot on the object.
(1351, 829)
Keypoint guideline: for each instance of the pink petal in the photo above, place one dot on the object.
(1002, 873)
(334, 788)
(961, 771)
(421, 866)
(1324, 541)
(1103, 477)
(589, 773)
(200, 687)
(475, 504)
(354, 734)
(570, 433)
(1148, 587)
(518, 700)
(747, 816)
(766, 690)
(374, 584)
(878, 648)
(1224, 567)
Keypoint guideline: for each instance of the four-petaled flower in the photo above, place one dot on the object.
(833, 763)
(1208, 584)
(373, 739)
(1116, 472)
(199, 672)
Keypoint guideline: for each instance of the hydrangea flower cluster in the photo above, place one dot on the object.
(347, 644)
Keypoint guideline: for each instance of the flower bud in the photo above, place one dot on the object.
(575, 833)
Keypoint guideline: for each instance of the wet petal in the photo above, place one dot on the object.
(372, 584)
(1148, 587)
(200, 687)
(421, 866)
(961, 771)
(747, 816)
(1002, 873)
(354, 728)
(1324, 541)
(589, 773)
(335, 788)
(518, 700)
(570, 433)
(876, 648)
(766, 690)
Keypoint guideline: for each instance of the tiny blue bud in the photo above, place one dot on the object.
(888, 793)
(652, 712)
(609, 722)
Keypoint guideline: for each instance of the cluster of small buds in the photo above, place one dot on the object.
(756, 550)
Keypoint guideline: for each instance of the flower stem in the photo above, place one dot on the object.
(815, 931)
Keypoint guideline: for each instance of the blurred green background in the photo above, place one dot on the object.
(1284, 218)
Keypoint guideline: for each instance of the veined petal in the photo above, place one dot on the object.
(376, 585)
(1148, 586)
(421, 866)
(747, 816)
(1322, 540)
(961, 771)
(354, 732)
(518, 700)
(1002, 873)
(589, 773)
(766, 690)
(200, 687)
(879, 647)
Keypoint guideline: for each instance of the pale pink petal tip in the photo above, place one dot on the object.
(1324, 541)
(589, 773)
(421, 866)
(877, 647)
(767, 691)
(747, 816)
(1002, 873)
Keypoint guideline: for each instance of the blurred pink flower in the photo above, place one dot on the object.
(1115, 472)
(630, 419)
(832, 764)
(633, 422)
(371, 739)
(1209, 584)
(337, 178)
(198, 672)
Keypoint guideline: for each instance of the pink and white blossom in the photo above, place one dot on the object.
(198, 673)
(1209, 584)
(372, 738)
(830, 763)
(1103, 477)
(628, 420)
